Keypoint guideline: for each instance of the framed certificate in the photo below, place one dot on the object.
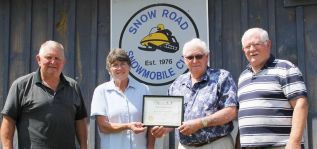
(162, 110)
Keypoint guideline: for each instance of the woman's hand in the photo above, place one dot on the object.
(137, 127)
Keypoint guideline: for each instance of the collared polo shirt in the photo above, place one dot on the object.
(45, 119)
(215, 91)
(265, 113)
(120, 107)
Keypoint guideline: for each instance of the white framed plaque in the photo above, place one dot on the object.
(161, 110)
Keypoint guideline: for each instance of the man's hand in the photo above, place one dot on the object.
(160, 131)
(293, 145)
(190, 127)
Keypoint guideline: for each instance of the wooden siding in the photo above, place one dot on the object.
(83, 27)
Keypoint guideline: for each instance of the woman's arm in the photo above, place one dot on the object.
(106, 127)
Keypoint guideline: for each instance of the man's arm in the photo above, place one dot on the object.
(150, 139)
(221, 117)
(7, 132)
(81, 133)
(299, 118)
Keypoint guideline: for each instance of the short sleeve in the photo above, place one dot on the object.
(81, 110)
(293, 83)
(228, 91)
(148, 92)
(12, 104)
(99, 103)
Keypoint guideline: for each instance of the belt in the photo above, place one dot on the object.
(204, 143)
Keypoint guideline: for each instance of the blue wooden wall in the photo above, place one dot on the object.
(83, 27)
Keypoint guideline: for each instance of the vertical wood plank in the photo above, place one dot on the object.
(231, 45)
(84, 54)
(257, 13)
(272, 25)
(94, 31)
(28, 34)
(94, 42)
(71, 52)
(217, 51)
(103, 48)
(212, 26)
(4, 52)
(244, 27)
(50, 19)
(64, 32)
(40, 32)
(286, 33)
(103, 40)
(300, 38)
(310, 40)
(94, 39)
(19, 54)
(301, 53)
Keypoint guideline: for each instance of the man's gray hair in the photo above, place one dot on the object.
(51, 44)
(255, 31)
(195, 44)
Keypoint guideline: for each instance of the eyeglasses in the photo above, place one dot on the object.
(120, 64)
(255, 45)
(197, 57)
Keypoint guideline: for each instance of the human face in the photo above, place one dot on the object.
(119, 70)
(51, 62)
(256, 51)
(196, 62)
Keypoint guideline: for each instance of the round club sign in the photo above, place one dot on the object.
(153, 38)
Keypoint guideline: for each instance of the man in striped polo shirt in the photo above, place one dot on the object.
(272, 97)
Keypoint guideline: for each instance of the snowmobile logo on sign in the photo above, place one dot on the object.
(153, 38)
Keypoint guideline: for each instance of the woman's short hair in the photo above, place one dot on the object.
(117, 55)
(195, 44)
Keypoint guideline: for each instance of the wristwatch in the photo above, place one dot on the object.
(204, 122)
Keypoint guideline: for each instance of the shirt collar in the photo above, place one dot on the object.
(132, 84)
(203, 78)
(266, 65)
(38, 79)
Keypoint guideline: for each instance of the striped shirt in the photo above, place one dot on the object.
(265, 113)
